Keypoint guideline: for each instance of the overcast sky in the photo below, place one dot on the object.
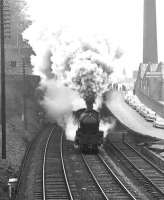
(120, 20)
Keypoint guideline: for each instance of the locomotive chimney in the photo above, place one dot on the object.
(89, 102)
(90, 99)
(89, 105)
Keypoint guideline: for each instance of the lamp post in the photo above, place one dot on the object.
(3, 93)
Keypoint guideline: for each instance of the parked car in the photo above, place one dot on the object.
(143, 111)
(158, 122)
(139, 106)
(134, 104)
(150, 116)
(131, 102)
(128, 98)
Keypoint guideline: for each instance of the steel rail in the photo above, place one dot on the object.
(131, 163)
(44, 164)
(27, 152)
(144, 158)
(94, 178)
(64, 169)
(25, 158)
(116, 178)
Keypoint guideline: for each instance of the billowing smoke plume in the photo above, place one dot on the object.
(84, 68)
(72, 68)
(118, 53)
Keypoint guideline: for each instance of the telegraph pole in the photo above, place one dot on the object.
(24, 93)
(3, 93)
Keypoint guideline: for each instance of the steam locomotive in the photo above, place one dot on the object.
(88, 136)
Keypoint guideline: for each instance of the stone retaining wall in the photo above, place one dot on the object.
(17, 90)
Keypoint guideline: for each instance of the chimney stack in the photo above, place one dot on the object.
(150, 53)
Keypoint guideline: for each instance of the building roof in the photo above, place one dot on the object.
(142, 70)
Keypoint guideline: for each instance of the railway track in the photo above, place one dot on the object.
(64, 174)
(55, 182)
(33, 152)
(108, 183)
(52, 182)
(138, 151)
(152, 178)
(22, 169)
(81, 177)
(115, 188)
(154, 173)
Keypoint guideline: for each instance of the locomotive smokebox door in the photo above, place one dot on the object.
(88, 137)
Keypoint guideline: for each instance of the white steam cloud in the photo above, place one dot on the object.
(72, 66)
(107, 125)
